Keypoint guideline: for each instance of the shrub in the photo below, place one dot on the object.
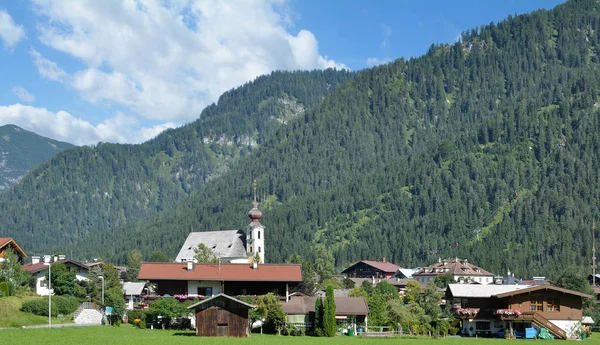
(39, 306)
(4, 289)
(65, 305)
(136, 314)
(139, 323)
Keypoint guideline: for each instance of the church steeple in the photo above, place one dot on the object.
(255, 232)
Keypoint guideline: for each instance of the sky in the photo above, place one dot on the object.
(91, 71)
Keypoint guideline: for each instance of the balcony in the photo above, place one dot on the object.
(465, 313)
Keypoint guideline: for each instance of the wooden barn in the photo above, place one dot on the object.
(222, 316)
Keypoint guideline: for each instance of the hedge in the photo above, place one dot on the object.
(60, 305)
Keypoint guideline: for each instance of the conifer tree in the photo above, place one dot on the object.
(319, 317)
(329, 323)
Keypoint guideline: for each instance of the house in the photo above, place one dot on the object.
(489, 310)
(40, 268)
(370, 269)
(6, 243)
(461, 270)
(134, 293)
(205, 280)
(300, 310)
(222, 316)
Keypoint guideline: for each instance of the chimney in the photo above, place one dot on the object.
(190, 265)
(47, 259)
(383, 259)
(254, 265)
(35, 260)
(55, 258)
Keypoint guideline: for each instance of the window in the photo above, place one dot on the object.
(537, 304)
(205, 291)
(482, 325)
(553, 304)
(259, 249)
(259, 234)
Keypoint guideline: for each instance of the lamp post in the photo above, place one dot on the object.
(101, 277)
(49, 293)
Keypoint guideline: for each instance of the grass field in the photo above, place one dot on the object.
(11, 316)
(126, 334)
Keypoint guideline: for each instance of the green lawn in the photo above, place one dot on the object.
(126, 334)
(11, 316)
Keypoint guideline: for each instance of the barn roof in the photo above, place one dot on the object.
(221, 272)
(383, 266)
(219, 296)
(224, 244)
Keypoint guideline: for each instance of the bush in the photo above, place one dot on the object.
(4, 289)
(136, 314)
(65, 305)
(139, 323)
(39, 306)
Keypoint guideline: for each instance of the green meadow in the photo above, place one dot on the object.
(126, 334)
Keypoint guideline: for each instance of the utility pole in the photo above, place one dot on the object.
(593, 254)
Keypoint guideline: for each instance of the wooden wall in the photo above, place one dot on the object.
(222, 318)
(570, 305)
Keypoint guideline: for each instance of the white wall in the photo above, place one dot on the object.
(193, 286)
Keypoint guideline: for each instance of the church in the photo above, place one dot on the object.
(230, 246)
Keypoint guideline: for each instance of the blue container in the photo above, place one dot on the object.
(360, 330)
(530, 333)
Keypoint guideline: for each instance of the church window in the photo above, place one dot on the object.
(259, 234)
(250, 249)
(259, 249)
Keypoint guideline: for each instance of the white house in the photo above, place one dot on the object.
(460, 269)
(133, 292)
(39, 269)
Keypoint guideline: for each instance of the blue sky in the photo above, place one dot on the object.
(122, 71)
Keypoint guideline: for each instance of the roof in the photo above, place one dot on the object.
(5, 241)
(219, 296)
(222, 272)
(587, 320)
(383, 266)
(133, 288)
(302, 305)
(224, 244)
(393, 281)
(456, 267)
(407, 272)
(34, 268)
(481, 291)
(544, 288)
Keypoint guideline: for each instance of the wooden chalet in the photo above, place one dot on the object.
(370, 269)
(6, 243)
(222, 316)
(493, 310)
(205, 280)
(300, 310)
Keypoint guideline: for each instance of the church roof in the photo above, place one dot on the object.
(224, 244)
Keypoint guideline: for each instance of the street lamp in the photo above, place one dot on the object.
(49, 264)
(101, 277)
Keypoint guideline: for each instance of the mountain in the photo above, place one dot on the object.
(98, 189)
(22, 150)
(486, 149)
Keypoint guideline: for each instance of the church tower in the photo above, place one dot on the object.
(255, 232)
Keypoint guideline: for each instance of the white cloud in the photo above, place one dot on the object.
(372, 61)
(65, 127)
(10, 32)
(23, 94)
(386, 30)
(167, 62)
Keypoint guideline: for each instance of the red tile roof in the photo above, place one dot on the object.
(222, 272)
(387, 267)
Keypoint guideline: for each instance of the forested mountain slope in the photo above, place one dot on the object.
(22, 150)
(486, 149)
(99, 189)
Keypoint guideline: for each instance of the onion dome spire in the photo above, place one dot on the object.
(255, 213)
